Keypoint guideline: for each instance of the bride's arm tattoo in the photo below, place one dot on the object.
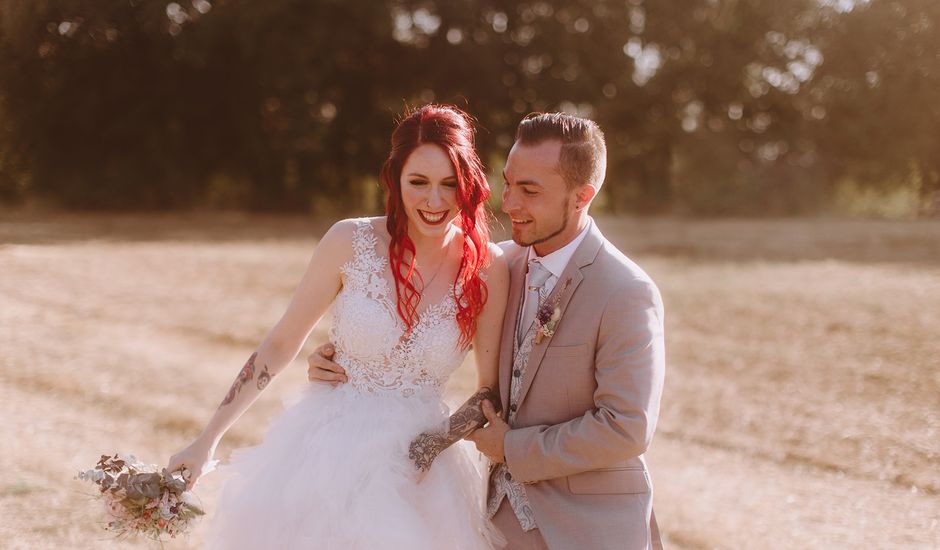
(246, 375)
(425, 448)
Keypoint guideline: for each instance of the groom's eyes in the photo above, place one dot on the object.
(527, 189)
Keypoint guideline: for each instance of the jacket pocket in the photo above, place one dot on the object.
(610, 481)
(578, 350)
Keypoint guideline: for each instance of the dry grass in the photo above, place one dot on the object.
(801, 406)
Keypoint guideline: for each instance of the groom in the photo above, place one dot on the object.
(582, 359)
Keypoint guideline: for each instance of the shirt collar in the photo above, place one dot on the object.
(556, 262)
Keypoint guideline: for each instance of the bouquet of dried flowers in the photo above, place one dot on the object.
(143, 498)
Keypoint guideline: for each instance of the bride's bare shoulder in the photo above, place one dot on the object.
(337, 242)
(343, 230)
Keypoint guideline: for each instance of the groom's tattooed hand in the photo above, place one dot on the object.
(425, 448)
(246, 375)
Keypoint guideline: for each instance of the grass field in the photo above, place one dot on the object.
(801, 407)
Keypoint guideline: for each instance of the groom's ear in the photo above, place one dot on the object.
(585, 195)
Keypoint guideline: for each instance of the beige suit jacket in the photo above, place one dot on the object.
(589, 401)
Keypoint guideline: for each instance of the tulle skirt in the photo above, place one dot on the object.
(333, 473)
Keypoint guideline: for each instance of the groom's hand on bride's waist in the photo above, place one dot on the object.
(321, 368)
(489, 440)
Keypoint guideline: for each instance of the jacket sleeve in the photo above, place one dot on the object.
(629, 370)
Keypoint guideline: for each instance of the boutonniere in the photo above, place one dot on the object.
(548, 315)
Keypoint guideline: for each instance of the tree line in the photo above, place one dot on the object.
(709, 106)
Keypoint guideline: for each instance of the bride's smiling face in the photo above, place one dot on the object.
(429, 191)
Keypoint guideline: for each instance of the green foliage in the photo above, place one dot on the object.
(710, 107)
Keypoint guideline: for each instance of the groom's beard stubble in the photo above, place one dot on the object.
(564, 225)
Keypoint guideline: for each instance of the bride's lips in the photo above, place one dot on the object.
(433, 218)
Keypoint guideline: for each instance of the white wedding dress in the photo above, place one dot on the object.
(333, 470)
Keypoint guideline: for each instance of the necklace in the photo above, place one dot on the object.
(440, 265)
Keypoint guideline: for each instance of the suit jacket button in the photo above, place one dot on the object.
(508, 476)
(517, 373)
(512, 407)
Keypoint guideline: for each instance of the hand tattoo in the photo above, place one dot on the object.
(425, 448)
(245, 376)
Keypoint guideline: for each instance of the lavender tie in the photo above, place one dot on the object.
(535, 283)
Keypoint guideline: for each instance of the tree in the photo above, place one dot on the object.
(709, 106)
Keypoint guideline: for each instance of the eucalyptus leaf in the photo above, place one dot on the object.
(176, 486)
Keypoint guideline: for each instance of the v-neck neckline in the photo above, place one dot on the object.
(430, 311)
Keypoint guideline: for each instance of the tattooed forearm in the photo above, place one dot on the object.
(470, 415)
(263, 378)
(245, 376)
(425, 448)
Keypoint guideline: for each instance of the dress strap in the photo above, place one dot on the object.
(365, 259)
(364, 241)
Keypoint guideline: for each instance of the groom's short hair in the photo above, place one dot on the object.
(583, 157)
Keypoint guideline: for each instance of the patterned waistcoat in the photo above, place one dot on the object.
(501, 480)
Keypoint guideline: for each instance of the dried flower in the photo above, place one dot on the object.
(545, 313)
(548, 315)
(143, 498)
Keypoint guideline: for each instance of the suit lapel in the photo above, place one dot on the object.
(517, 267)
(563, 292)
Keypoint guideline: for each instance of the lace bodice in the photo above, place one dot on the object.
(370, 339)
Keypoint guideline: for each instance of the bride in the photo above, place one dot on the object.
(369, 464)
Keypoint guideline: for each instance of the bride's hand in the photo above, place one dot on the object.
(424, 449)
(420, 475)
(194, 461)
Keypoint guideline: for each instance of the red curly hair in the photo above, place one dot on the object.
(452, 130)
